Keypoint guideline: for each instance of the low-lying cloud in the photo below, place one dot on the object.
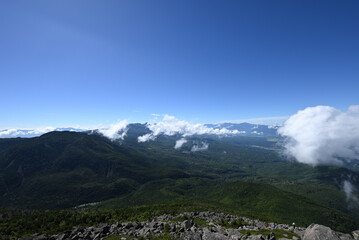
(115, 131)
(171, 126)
(349, 188)
(179, 143)
(322, 135)
(199, 147)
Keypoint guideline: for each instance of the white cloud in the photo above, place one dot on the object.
(11, 133)
(115, 131)
(146, 137)
(179, 143)
(322, 135)
(349, 188)
(171, 126)
(199, 147)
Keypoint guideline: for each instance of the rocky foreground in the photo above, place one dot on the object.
(197, 226)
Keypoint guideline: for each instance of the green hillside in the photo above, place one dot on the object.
(63, 169)
(245, 175)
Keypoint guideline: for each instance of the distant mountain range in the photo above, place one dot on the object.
(244, 129)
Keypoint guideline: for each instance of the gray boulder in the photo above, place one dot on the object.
(271, 236)
(233, 234)
(187, 224)
(191, 236)
(320, 232)
(256, 237)
(213, 236)
(345, 236)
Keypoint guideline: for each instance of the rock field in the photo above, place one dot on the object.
(197, 226)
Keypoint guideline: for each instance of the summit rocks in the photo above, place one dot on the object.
(199, 226)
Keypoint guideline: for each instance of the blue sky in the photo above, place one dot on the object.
(83, 63)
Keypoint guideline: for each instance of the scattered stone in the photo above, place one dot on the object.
(188, 230)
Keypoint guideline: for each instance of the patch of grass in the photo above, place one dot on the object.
(233, 224)
(200, 222)
(179, 219)
(265, 148)
(167, 228)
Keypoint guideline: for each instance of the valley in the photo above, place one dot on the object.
(245, 175)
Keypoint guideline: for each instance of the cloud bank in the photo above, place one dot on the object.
(115, 131)
(322, 135)
(171, 126)
(11, 133)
